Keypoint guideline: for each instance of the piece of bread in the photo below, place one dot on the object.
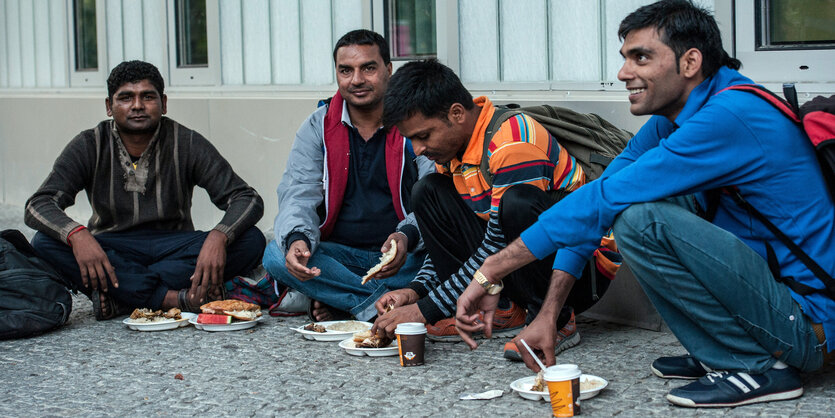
(238, 309)
(364, 339)
(386, 258)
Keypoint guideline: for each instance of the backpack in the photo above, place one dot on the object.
(34, 298)
(817, 118)
(590, 139)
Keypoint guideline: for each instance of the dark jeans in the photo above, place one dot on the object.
(149, 263)
(452, 232)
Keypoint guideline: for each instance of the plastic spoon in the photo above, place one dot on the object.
(539, 363)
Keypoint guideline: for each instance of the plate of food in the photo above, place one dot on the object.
(364, 344)
(144, 319)
(590, 386)
(227, 315)
(331, 330)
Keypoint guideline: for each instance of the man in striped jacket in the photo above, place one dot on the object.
(139, 249)
(463, 217)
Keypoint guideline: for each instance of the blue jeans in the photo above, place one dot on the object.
(716, 294)
(149, 263)
(339, 284)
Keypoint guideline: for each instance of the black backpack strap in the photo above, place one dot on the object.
(500, 115)
(815, 268)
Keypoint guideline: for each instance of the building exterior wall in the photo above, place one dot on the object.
(270, 62)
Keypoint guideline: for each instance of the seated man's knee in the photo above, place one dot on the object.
(520, 207)
(273, 260)
(253, 240)
(426, 186)
(634, 219)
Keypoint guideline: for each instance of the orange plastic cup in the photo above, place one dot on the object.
(564, 389)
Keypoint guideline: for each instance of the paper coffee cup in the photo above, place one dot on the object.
(563, 382)
(411, 338)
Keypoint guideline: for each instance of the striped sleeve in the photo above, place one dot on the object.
(441, 301)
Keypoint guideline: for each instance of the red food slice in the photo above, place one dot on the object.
(205, 318)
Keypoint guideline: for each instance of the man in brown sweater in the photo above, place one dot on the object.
(139, 169)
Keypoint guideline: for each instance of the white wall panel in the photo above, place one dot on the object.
(317, 49)
(285, 36)
(575, 40)
(58, 42)
(524, 40)
(256, 42)
(42, 26)
(231, 54)
(155, 34)
(479, 40)
(616, 10)
(132, 28)
(347, 16)
(115, 40)
(4, 54)
(27, 43)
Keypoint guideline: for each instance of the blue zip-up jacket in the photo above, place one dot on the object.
(729, 139)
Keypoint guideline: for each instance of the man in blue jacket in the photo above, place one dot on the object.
(748, 335)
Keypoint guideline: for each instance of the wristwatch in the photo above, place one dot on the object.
(490, 288)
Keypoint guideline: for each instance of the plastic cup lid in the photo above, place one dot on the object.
(562, 372)
(410, 328)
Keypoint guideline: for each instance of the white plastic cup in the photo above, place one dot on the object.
(411, 341)
(563, 382)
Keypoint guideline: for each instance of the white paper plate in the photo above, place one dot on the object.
(161, 325)
(234, 326)
(523, 388)
(348, 345)
(329, 335)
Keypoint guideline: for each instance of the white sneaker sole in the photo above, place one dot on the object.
(781, 396)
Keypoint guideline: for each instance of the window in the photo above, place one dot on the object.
(785, 41)
(192, 39)
(795, 24)
(411, 28)
(194, 44)
(86, 27)
(86, 52)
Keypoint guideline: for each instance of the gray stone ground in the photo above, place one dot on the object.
(90, 368)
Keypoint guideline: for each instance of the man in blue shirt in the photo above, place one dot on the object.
(748, 335)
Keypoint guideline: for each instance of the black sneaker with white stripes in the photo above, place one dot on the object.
(724, 389)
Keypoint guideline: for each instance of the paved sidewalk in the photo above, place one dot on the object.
(90, 368)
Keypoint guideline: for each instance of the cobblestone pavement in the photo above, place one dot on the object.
(91, 368)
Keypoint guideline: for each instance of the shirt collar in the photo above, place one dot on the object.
(699, 96)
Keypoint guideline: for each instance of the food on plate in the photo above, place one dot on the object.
(206, 318)
(145, 315)
(539, 382)
(386, 258)
(366, 340)
(589, 384)
(238, 309)
(314, 327)
(347, 326)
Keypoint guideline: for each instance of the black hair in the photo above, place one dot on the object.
(132, 72)
(428, 87)
(364, 37)
(682, 25)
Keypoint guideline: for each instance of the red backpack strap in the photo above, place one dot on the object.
(782, 105)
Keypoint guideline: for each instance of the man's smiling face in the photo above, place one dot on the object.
(361, 75)
(651, 75)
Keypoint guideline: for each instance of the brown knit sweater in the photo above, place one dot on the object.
(155, 194)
